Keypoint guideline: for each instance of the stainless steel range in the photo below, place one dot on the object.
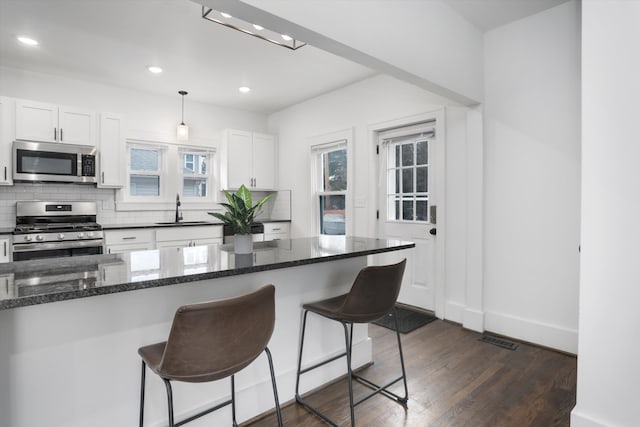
(56, 229)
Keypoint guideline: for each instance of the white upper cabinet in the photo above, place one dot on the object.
(248, 158)
(39, 121)
(7, 135)
(111, 151)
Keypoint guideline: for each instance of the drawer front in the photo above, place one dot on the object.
(136, 235)
(168, 234)
(277, 227)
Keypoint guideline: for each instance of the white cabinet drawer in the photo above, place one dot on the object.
(136, 235)
(167, 234)
(276, 227)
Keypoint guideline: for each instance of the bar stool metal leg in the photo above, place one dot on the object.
(233, 401)
(404, 373)
(167, 384)
(275, 388)
(348, 341)
(142, 385)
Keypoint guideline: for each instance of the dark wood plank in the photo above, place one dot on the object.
(454, 380)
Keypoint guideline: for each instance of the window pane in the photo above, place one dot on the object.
(195, 164)
(332, 214)
(421, 210)
(407, 210)
(194, 187)
(407, 181)
(397, 181)
(422, 180)
(144, 160)
(421, 153)
(407, 155)
(144, 185)
(397, 156)
(334, 171)
(396, 213)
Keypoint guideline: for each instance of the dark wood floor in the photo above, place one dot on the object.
(454, 380)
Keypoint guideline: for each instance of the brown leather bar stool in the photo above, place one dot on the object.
(210, 341)
(372, 296)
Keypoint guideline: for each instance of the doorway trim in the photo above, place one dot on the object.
(437, 113)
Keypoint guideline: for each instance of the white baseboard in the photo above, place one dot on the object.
(553, 336)
(473, 319)
(579, 419)
(454, 311)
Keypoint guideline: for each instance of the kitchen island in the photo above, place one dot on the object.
(70, 328)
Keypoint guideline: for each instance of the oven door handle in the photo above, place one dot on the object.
(32, 247)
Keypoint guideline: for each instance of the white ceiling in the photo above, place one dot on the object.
(489, 14)
(113, 41)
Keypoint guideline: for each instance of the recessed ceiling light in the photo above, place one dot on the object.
(28, 41)
(154, 69)
(258, 27)
(286, 37)
(225, 15)
(244, 89)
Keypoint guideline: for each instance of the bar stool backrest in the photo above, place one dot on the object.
(373, 293)
(213, 340)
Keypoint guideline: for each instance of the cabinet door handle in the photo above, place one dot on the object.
(5, 173)
(61, 134)
(103, 177)
(5, 248)
(55, 134)
(129, 238)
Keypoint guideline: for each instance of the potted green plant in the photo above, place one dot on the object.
(239, 215)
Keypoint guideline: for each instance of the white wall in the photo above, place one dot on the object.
(147, 116)
(609, 350)
(358, 107)
(422, 42)
(532, 178)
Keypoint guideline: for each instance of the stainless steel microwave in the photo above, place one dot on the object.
(53, 162)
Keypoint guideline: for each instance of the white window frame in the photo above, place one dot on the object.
(317, 146)
(162, 167)
(211, 182)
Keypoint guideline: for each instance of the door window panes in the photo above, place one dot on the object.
(408, 179)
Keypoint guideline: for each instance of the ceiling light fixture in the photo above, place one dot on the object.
(251, 29)
(27, 40)
(182, 132)
(244, 89)
(153, 69)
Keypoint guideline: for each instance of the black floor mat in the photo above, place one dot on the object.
(408, 320)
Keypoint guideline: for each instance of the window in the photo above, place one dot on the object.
(331, 186)
(408, 177)
(195, 173)
(144, 171)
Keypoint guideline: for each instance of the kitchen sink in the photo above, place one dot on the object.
(182, 222)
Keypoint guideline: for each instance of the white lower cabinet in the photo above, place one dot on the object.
(181, 237)
(277, 230)
(5, 249)
(136, 239)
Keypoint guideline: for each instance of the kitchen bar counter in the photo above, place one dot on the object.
(58, 279)
(76, 361)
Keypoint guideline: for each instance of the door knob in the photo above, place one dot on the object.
(432, 231)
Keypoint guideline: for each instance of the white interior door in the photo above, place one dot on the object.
(410, 170)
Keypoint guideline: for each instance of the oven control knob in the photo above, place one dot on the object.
(60, 236)
(28, 238)
(80, 235)
(90, 234)
(40, 237)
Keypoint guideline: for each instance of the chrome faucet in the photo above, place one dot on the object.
(178, 216)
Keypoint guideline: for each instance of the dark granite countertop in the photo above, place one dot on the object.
(58, 279)
(174, 224)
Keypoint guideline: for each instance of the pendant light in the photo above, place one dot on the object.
(182, 130)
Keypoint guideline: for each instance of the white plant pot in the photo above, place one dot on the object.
(243, 243)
